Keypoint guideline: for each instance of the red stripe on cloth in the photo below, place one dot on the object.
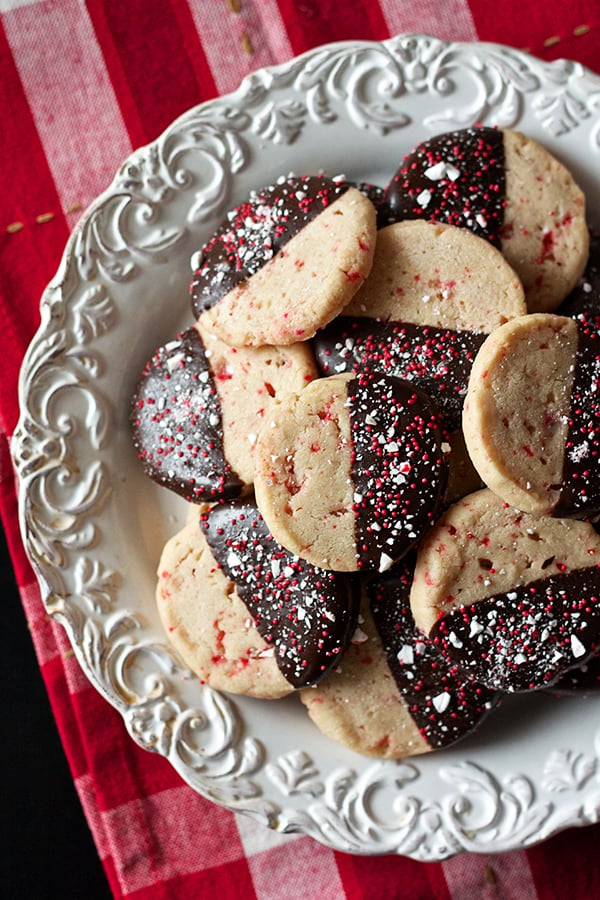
(29, 257)
(566, 865)
(70, 732)
(206, 87)
(312, 22)
(542, 36)
(70, 94)
(144, 49)
(75, 746)
(371, 876)
(229, 882)
(171, 834)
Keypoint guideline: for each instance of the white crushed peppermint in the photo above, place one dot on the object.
(577, 648)
(359, 636)
(385, 562)
(173, 362)
(406, 655)
(441, 702)
(233, 560)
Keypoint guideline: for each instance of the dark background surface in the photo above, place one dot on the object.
(47, 851)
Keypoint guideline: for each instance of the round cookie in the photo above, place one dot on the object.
(199, 404)
(512, 599)
(393, 695)
(350, 472)
(244, 614)
(434, 293)
(531, 417)
(285, 262)
(508, 189)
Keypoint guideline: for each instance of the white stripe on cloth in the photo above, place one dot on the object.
(221, 34)
(70, 94)
(86, 790)
(490, 877)
(8, 5)
(287, 864)
(166, 835)
(453, 20)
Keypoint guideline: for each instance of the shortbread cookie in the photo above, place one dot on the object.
(393, 695)
(244, 614)
(508, 189)
(350, 472)
(284, 263)
(512, 599)
(532, 415)
(433, 295)
(199, 404)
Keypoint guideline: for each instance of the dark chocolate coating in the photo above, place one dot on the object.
(525, 639)
(377, 196)
(580, 490)
(308, 614)
(444, 704)
(582, 680)
(253, 233)
(457, 178)
(437, 360)
(398, 468)
(177, 426)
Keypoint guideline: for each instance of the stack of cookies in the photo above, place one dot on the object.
(385, 418)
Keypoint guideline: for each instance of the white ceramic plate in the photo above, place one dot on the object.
(94, 525)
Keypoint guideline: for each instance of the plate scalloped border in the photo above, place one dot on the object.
(76, 478)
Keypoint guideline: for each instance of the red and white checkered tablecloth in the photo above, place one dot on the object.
(81, 85)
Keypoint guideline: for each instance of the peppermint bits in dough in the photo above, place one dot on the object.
(285, 263)
(531, 418)
(511, 598)
(506, 188)
(350, 472)
(245, 615)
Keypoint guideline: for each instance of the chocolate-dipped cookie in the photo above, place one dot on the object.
(245, 615)
(512, 599)
(198, 406)
(508, 189)
(433, 295)
(285, 262)
(393, 695)
(531, 417)
(350, 472)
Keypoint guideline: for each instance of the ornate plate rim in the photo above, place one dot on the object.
(68, 436)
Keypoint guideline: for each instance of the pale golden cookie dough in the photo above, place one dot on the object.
(249, 382)
(429, 273)
(306, 284)
(517, 407)
(544, 236)
(481, 547)
(359, 704)
(208, 624)
(302, 478)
